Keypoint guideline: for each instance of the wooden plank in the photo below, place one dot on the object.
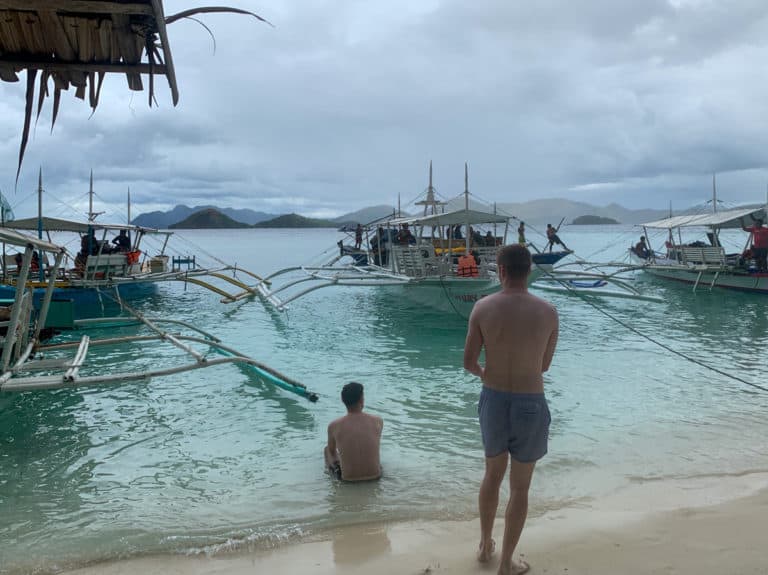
(163, 33)
(55, 34)
(39, 64)
(121, 27)
(85, 6)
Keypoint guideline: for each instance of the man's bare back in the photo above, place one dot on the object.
(356, 438)
(352, 452)
(519, 332)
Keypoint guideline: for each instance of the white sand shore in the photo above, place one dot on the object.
(696, 526)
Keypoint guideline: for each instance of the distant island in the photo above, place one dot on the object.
(593, 221)
(208, 218)
(533, 211)
(295, 221)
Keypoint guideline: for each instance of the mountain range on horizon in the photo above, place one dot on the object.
(540, 211)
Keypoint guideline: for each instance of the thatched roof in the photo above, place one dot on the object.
(77, 42)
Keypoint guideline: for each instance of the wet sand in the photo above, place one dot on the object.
(696, 525)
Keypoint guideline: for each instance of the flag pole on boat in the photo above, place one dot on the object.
(466, 206)
(40, 221)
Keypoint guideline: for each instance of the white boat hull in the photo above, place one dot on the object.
(707, 279)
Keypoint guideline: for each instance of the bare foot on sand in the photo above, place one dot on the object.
(514, 567)
(485, 551)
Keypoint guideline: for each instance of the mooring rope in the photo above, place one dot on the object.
(662, 345)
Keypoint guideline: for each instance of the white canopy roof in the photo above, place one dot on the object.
(22, 240)
(452, 218)
(727, 219)
(58, 225)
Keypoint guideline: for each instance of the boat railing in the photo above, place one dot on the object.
(711, 256)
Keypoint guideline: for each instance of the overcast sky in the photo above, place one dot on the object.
(343, 104)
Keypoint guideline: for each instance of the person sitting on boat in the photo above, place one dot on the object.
(352, 452)
(521, 233)
(34, 265)
(759, 243)
(554, 239)
(467, 267)
(404, 236)
(122, 241)
(489, 239)
(477, 238)
(641, 249)
(19, 259)
(457, 232)
(89, 245)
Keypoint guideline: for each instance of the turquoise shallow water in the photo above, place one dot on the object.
(213, 460)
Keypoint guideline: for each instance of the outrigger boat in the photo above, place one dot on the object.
(28, 364)
(128, 269)
(705, 263)
(423, 258)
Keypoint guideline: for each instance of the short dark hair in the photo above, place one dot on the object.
(515, 259)
(352, 393)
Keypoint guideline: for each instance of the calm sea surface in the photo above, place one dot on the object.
(213, 460)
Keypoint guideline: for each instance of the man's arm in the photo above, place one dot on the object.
(551, 344)
(331, 456)
(473, 345)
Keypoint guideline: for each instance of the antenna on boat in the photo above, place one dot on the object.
(714, 194)
(91, 214)
(40, 204)
(466, 205)
(129, 205)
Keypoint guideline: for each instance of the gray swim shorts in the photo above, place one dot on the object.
(514, 422)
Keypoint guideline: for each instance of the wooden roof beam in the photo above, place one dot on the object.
(85, 6)
(163, 33)
(51, 66)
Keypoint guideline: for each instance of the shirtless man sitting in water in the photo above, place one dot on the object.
(352, 453)
(519, 332)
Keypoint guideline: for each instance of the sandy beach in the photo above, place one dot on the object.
(708, 524)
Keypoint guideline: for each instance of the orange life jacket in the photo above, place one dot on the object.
(467, 267)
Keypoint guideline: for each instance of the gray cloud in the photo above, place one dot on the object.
(343, 104)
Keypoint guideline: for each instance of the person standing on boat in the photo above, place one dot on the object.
(122, 241)
(521, 233)
(554, 239)
(519, 333)
(352, 452)
(759, 243)
(358, 236)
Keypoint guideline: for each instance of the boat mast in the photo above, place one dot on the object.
(714, 194)
(40, 220)
(40, 204)
(466, 205)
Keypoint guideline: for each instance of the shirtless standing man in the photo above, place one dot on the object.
(352, 453)
(519, 332)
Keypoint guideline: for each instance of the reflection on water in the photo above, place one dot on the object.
(216, 459)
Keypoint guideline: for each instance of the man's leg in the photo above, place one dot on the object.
(517, 510)
(488, 502)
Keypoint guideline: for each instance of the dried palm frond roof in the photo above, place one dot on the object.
(77, 42)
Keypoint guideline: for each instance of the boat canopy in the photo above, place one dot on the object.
(17, 239)
(59, 225)
(456, 217)
(727, 219)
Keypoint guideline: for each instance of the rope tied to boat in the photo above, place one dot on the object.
(585, 299)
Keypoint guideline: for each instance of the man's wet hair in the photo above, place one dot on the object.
(515, 259)
(352, 393)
